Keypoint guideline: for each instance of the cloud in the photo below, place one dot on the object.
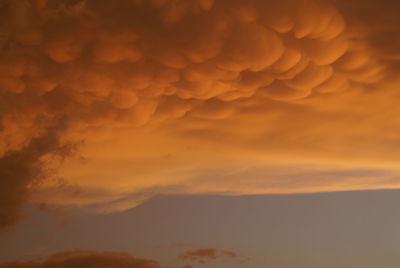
(95, 259)
(379, 21)
(201, 255)
(195, 68)
(107, 66)
(20, 170)
(90, 259)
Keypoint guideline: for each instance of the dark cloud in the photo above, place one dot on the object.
(85, 259)
(201, 255)
(379, 22)
(20, 170)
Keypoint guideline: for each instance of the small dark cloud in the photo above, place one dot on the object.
(202, 255)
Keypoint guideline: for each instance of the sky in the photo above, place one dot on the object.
(199, 133)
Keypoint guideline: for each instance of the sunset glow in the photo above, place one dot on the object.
(108, 105)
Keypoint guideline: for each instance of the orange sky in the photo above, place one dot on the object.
(132, 114)
(105, 104)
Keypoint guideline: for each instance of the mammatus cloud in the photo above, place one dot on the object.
(99, 65)
(380, 24)
(81, 259)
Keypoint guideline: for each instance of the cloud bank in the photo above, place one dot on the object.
(75, 68)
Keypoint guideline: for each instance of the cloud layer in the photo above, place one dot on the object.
(72, 69)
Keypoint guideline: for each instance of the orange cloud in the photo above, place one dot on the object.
(89, 259)
(270, 82)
